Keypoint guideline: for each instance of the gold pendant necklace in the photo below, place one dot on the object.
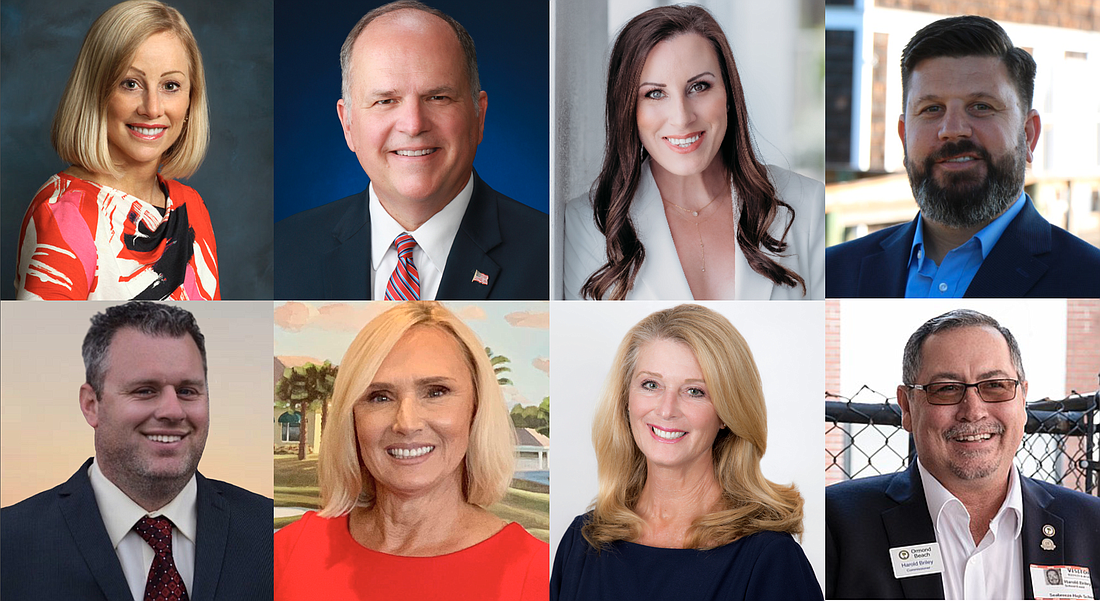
(695, 213)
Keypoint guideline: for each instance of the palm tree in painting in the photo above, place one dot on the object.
(499, 366)
(301, 388)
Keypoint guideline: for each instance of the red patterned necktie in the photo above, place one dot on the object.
(404, 284)
(164, 583)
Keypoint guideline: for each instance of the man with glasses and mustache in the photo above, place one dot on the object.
(968, 131)
(961, 522)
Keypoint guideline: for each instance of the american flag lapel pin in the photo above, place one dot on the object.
(480, 278)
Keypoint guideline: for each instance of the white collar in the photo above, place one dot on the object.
(435, 236)
(939, 498)
(120, 512)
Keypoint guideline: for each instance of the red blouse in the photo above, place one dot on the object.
(317, 558)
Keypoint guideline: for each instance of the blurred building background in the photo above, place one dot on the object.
(866, 185)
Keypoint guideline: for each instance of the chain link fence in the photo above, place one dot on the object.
(864, 437)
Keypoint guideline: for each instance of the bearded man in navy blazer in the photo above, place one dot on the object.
(961, 522)
(138, 521)
(968, 131)
(413, 112)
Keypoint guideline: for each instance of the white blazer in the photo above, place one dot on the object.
(661, 276)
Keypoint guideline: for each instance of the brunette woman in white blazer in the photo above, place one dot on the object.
(682, 208)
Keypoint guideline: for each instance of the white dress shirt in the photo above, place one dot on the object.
(120, 513)
(433, 242)
(994, 568)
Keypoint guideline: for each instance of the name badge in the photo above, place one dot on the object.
(916, 560)
(1061, 582)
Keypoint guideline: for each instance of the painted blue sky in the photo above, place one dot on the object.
(518, 330)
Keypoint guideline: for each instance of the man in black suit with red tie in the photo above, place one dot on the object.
(427, 227)
(138, 521)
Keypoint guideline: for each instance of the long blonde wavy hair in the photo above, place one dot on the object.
(751, 502)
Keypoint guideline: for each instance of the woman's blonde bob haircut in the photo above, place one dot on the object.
(752, 503)
(79, 133)
(344, 480)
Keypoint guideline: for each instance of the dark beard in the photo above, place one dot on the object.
(965, 202)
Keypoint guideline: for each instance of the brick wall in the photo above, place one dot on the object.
(834, 440)
(1082, 344)
(1072, 14)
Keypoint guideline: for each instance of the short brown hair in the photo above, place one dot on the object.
(969, 35)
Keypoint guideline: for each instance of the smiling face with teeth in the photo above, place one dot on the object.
(967, 139)
(682, 106)
(413, 422)
(968, 446)
(146, 110)
(411, 119)
(152, 415)
(672, 418)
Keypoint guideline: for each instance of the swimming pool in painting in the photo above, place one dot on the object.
(539, 476)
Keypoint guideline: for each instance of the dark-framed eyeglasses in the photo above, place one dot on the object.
(951, 393)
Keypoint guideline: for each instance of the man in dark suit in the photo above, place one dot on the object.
(427, 227)
(968, 131)
(961, 522)
(138, 521)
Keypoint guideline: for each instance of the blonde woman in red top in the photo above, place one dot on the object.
(116, 225)
(418, 445)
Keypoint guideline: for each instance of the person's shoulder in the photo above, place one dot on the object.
(238, 496)
(797, 190)
(31, 508)
(181, 192)
(326, 215)
(864, 244)
(859, 489)
(1067, 498)
(770, 542)
(513, 212)
(1080, 252)
(517, 537)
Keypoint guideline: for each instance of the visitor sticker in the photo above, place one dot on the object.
(1061, 582)
(916, 560)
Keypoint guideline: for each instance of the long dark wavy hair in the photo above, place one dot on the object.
(614, 189)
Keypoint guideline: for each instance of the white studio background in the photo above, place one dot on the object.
(779, 50)
(787, 340)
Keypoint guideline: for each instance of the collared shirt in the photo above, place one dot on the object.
(953, 275)
(993, 569)
(120, 513)
(433, 242)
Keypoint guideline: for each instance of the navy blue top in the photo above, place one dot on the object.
(762, 566)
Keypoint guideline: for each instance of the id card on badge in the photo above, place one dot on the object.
(1061, 582)
(916, 560)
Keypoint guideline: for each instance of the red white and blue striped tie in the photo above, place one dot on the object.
(404, 284)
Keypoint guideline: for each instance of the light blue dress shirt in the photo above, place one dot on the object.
(953, 275)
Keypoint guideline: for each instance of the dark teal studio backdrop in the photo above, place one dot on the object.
(313, 165)
(39, 42)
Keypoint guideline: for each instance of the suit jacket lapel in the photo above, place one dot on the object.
(661, 275)
(884, 274)
(478, 233)
(1011, 269)
(81, 513)
(910, 524)
(347, 265)
(212, 534)
(1036, 517)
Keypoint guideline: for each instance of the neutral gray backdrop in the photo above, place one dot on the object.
(39, 42)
